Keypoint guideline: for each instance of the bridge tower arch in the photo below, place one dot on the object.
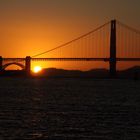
(13, 63)
(26, 66)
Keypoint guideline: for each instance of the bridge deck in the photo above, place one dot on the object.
(71, 59)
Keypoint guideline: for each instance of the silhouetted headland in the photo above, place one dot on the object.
(133, 73)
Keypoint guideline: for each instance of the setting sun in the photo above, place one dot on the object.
(37, 69)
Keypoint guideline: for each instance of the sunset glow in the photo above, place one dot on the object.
(37, 69)
(31, 27)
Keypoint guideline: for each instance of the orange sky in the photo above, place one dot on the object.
(29, 27)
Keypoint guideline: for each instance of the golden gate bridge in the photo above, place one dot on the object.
(111, 42)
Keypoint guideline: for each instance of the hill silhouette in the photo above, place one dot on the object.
(93, 73)
(53, 72)
(130, 73)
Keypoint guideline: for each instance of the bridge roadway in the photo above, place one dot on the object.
(71, 59)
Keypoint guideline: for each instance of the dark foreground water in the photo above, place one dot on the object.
(69, 109)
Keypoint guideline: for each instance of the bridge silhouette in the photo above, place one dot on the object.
(111, 42)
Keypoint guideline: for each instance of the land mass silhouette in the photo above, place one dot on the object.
(93, 73)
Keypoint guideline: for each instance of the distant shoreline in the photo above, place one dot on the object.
(133, 72)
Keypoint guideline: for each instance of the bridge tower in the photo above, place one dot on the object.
(28, 65)
(112, 60)
(1, 63)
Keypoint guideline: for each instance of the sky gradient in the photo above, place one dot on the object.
(29, 27)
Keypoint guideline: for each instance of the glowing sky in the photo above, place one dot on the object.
(28, 27)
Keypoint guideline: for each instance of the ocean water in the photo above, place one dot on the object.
(69, 109)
